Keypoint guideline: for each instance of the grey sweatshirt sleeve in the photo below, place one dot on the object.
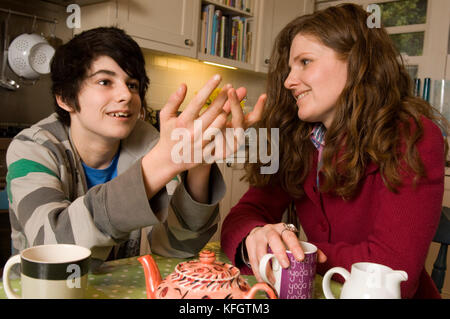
(121, 205)
(189, 224)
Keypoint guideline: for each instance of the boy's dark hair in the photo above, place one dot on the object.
(72, 61)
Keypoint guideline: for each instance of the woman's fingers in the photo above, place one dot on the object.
(241, 93)
(252, 247)
(277, 245)
(268, 271)
(237, 120)
(321, 257)
(255, 115)
(292, 243)
(258, 241)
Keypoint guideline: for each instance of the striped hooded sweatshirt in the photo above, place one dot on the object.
(49, 201)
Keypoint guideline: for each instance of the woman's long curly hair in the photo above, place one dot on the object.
(376, 114)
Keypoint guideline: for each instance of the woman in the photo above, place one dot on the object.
(360, 156)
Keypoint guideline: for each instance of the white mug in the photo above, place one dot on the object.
(50, 272)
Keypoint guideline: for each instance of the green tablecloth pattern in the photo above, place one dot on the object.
(124, 278)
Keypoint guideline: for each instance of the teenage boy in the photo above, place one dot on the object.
(94, 174)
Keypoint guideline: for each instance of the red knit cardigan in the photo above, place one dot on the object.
(394, 229)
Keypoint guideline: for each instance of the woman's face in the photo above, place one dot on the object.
(316, 79)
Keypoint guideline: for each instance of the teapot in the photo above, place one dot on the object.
(205, 278)
(366, 281)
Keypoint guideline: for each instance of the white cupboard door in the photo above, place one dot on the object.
(163, 25)
(274, 16)
(232, 173)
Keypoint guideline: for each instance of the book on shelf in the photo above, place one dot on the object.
(248, 55)
(204, 20)
(212, 50)
(225, 34)
(223, 22)
(209, 26)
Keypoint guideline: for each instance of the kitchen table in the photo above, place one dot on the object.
(124, 278)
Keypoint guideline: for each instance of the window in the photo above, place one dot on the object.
(397, 13)
(418, 28)
(405, 21)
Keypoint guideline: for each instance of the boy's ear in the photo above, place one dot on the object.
(63, 104)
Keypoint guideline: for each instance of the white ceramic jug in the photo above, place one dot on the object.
(366, 281)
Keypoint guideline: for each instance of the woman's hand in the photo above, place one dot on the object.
(270, 235)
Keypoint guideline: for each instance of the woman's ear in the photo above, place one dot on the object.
(63, 104)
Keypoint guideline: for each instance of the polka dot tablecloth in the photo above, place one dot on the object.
(124, 278)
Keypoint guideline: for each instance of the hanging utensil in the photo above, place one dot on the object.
(5, 83)
(54, 41)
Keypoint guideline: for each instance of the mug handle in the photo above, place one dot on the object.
(263, 266)
(326, 280)
(6, 283)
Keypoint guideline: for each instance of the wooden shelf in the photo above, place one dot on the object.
(225, 61)
(229, 9)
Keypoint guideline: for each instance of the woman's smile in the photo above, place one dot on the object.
(316, 79)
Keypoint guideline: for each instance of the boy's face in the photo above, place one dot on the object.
(109, 103)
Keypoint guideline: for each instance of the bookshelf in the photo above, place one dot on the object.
(227, 33)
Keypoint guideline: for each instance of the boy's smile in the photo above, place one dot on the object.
(109, 103)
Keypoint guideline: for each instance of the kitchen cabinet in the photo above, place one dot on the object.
(447, 71)
(434, 247)
(175, 26)
(98, 15)
(232, 173)
(274, 15)
(169, 26)
(446, 200)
